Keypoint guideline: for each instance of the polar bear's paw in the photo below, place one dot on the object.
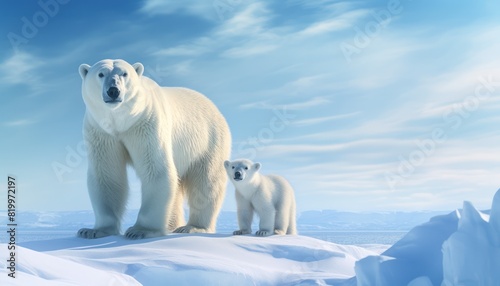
(241, 232)
(262, 233)
(91, 233)
(135, 232)
(190, 229)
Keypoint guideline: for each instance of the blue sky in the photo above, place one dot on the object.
(362, 105)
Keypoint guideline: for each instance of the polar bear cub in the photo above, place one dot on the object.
(271, 197)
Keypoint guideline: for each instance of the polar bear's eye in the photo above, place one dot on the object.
(232, 167)
(246, 168)
(101, 74)
(125, 74)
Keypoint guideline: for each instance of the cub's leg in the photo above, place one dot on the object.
(245, 215)
(281, 221)
(267, 216)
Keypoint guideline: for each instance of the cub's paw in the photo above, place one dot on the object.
(279, 232)
(135, 232)
(262, 233)
(91, 233)
(190, 229)
(241, 232)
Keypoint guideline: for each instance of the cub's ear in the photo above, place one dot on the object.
(256, 166)
(84, 70)
(226, 163)
(139, 68)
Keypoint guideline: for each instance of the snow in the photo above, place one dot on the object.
(472, 254)
(417, 254)
(459, 248)
(180, 259)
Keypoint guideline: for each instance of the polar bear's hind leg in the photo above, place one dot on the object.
(205, 187)
(176, 216)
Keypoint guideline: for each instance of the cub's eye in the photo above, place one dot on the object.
(125, 74)
(232, 167)
(246, 168)
(101, 74)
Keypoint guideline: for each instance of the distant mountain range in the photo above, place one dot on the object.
(325, 220)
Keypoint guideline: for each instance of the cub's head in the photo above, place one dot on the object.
(242, 170)
(109, 82)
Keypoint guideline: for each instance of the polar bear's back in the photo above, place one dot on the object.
(282, 191)
(193, 113)
(187, 102)
(197, 127)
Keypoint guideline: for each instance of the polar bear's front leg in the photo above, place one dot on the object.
(157, 200)
(281, 221)
(267, 217)
(107, 184)
(245, 215)
(156, 169)
(108, 205)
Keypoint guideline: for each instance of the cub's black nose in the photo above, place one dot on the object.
(113, 92)
(237, 175)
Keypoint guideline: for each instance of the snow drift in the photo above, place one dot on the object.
(471, 256)
(461, 248)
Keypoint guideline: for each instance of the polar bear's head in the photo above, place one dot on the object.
(241, 170)
(109, 82)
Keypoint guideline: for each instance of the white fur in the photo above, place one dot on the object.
(176, 140)
(271, 197)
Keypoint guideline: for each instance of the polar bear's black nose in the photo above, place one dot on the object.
(113, 92)
(237, 175)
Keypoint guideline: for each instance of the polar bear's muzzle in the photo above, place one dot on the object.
(239, 175)
(112, 95)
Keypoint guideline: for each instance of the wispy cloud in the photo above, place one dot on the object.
(248, 50)
(203, 9)
(251, 21)
(19, 123)
(368, 147)
(191, 50)
(20, 69)
(323, 119)
(248, 24)
(340, 22)
(309, 82)
(316, 101)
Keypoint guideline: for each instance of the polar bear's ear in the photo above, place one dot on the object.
(139, 68)
(226, 163)
(256, 166)
(84, 70)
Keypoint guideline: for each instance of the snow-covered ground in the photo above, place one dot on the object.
(185, 260)
(459, 248)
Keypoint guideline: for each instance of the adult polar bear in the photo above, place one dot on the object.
(176, 140)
